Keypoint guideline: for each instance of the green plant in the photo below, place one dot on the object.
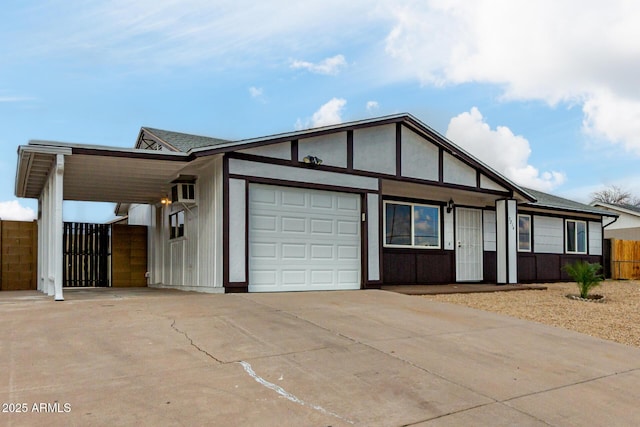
(585, 274)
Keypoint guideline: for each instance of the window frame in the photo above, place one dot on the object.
(529, 249)
(177, 231)
(576, 241)
(411, 205)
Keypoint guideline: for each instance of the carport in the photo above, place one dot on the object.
(52, 172)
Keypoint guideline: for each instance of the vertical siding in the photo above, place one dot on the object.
(210, 225)
(190, 256)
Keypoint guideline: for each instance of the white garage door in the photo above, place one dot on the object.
(303, 240)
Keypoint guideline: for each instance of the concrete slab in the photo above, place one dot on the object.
(163, 357)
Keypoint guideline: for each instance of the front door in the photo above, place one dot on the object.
(468, 245)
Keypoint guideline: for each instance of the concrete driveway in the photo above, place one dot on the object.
(160, 357)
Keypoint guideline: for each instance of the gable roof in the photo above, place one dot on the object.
(178, 141)
(549, 201)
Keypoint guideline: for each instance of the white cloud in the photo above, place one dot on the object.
(255, 92)
(13, 211)
(501, 149)
(536, 50)
(329, 66)
(328, 114)
(372, 106)
(15, 98)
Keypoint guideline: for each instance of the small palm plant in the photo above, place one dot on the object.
(585, 274)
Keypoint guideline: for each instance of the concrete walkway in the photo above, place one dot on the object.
(370, 358)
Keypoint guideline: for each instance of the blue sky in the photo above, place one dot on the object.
(546, 92)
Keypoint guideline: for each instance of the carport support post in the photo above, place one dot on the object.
(58, 180)
(507, 241)
(50, 257)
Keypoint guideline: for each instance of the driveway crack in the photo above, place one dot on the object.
(194, 345)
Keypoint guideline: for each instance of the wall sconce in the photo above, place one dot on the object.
(313, 160)
(449, 205)
(165, 201)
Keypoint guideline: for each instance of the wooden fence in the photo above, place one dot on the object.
(625, 259)
(18, 255)
(85, 251)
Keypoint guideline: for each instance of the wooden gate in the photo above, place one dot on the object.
(85, 255)
(129, 257)
(625, 259)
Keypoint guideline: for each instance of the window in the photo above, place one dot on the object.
(524, 233)
(411, 225)
(576, 236)
(176, 222)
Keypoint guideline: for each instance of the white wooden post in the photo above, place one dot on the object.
(507, 241)
(56, 248)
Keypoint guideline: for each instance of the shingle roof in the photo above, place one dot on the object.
(183, 141)
(545, 200)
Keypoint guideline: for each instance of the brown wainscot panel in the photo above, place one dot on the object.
(526, 267)
(411, 267)
(490, 266)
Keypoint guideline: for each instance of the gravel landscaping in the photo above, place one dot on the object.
(617, 319)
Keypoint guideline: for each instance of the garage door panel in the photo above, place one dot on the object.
(304, 240)
(264, 222)
(322, 201)
(348, 204)
(294, 251)
(348, 228)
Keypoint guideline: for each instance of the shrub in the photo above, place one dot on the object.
(585, 274)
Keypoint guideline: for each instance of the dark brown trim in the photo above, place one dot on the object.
(381, 235)
(294, 151)
(364, 240)
(373, 284)
(225, 221)
(398, 149)
(478, 175)
(297, 184)
(350, 150)
(236, 288)
(151, 155)
(246, 232)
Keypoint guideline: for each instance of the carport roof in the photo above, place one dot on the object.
(98, 173)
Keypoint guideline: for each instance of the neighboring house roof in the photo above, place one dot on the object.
(620, 207)
(549, 201)
(178, 141)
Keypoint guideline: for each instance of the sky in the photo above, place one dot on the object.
(546, 92)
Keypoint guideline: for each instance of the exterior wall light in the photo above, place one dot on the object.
(450, 206)
(313, 160)
(165, 201)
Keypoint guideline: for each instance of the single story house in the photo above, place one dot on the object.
(350, 206)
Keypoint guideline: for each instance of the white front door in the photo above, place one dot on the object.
(302, 239)
(468, 245)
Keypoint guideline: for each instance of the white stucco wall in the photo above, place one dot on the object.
(332, 149)
(420, 158)
(374, 149)
(457, 172)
